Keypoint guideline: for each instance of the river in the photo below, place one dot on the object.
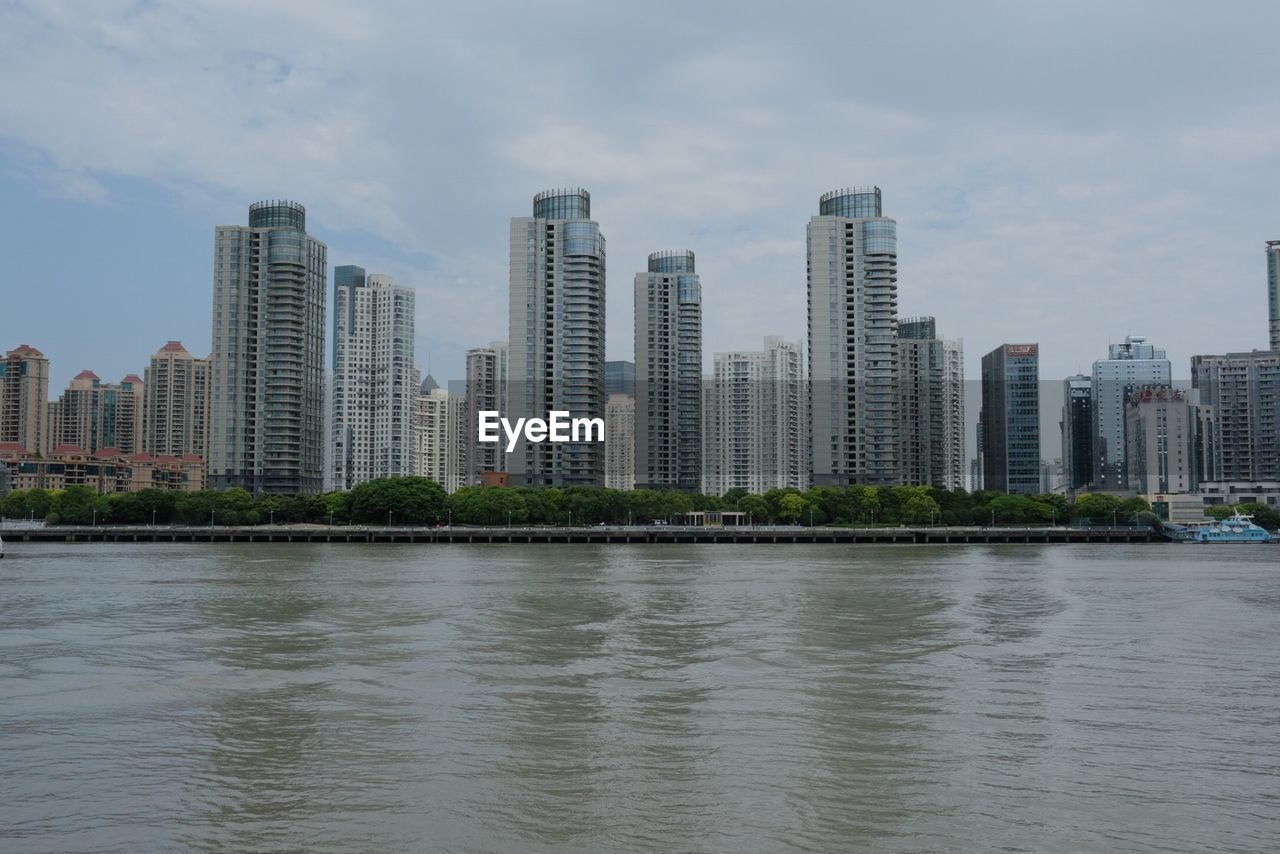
(327, 698)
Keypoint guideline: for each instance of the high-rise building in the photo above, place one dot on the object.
(375, 388)
(620, 377)
(1128, 366)
(1160, 432)
(930, 406)
(853, 310)
(267, 422)
(668, 347)
(1011, 419)
(557, 325)
(176, 412)
(753, 421)
(1243, 390)
(120, 423)
(620, 441)
(1273, 290)
(486, 392)
(1078, 426)
(93, 416)
(438, 435)
(24, 396)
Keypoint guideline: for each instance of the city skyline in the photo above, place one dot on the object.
(1061, 178)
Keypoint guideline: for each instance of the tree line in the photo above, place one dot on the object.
(418, 501)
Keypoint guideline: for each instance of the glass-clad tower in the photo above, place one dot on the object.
(1010, 436)
(853, 309)
(557, 325)
(668, 326)
(267, 423)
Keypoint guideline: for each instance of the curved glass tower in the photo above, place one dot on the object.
(267, 423)
(557, 324)
(853, 309)
(668, 324)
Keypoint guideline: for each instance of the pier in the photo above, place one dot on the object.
(674, 535)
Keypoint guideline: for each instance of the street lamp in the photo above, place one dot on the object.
(993, 517)
(271, 517)
(450, 518)
(211, 512)
(95, 517)
(389, 518)
(1113, 518)
(330, 518)
(810, 517)
(153, 517)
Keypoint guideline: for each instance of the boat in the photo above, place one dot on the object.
(1236, 528)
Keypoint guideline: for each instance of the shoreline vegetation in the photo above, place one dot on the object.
(418, 502)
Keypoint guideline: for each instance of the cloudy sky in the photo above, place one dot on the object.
(1060, 172)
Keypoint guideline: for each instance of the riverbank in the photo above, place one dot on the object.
(586, 535)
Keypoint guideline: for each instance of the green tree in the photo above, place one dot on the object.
(75, 505)
(400, 500)
(1264, 515)
(919, 507)
(1098, 507)
(790, 507)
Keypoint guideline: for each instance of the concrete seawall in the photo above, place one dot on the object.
(597, 535)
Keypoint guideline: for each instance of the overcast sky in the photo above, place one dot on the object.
(1060, 172)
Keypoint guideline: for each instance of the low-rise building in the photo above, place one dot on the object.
(105, 471)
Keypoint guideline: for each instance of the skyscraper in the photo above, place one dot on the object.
(486, 392)
(620, 377)
(24, 397)
(374, 382)
(1011, 419)
(620, 441)
(1128, 366)
(1243, 391)
(853, 310)
(1078, 426)
(438, 435)
(267, 422)
(668, 347)
(1273, 290)
(930, 406)
(557, 324)
(753, 421)
(176, 412)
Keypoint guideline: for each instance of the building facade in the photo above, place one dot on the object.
(557, 335)
(176, 409)
(267, 421)
(1078, 425)
(1128, 366)
(24, 399)
(1010, 432)
(439, 441)
(486, 392)
(1273, 290)
(104, 471)
(668, 369)
(93, 415)
(620, 377)
(1160, 429)
(931, 425)
(375, 388)
(754, 432)
(1243, 392)
(620, 442)
(853, 307)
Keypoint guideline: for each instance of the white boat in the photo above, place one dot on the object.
(1237, 528)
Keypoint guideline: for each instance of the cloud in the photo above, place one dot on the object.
(1053, 180)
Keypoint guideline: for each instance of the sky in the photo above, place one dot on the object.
(1061, 172)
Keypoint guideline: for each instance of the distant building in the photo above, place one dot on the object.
(620, 442)
(668, 348)
(1078, 426)
(374, 380)
(1243, 390)
(754, 428)
(93, 415)
(852, 254)
(438, 436)
(24, 396)
(930, 406)
(1011, 419)
(1160, 430)
(1273, 290)
(176, 410)
(557, 326)
(486, 392)
(105, 471)
(266, 430)
(1128, 366)
(620, 378)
